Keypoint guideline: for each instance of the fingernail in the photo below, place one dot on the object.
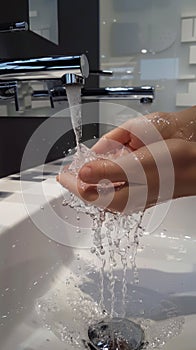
(85, 173)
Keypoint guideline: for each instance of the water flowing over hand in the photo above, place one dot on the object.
(153, 161)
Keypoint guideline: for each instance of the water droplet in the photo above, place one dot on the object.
(113, 264)
(142, 312)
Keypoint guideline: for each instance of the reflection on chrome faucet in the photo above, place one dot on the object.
(13, 27)
(65, 69)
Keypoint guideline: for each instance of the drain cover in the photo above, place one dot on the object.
(116, 334)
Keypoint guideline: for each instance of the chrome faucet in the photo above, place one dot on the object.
(13, 27)
(144, 94)
(66, 69)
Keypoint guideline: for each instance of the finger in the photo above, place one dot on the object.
(126, 199)
(98, 196)
(119, 199)
(137, 132)
(101, 169)
(130, 168)
(113, 140)
(147, 129)
(154, 127)
(142, 132)
(134, 133)
(129, 199)
(74, 185)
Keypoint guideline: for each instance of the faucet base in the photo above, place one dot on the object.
(116, 334)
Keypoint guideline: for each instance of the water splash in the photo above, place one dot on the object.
(68, 312)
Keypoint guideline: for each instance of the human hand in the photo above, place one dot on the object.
(153, 127)
(159, 164)
(148, 176)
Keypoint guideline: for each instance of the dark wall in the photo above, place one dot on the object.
(16, 132)
(78, 33)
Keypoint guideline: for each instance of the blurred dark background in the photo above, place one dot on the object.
(78, 23)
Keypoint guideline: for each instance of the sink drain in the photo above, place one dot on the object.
(116, 334)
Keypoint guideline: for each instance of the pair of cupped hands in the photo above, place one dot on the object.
(152, 159)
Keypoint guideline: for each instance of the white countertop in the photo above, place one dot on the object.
(34, 186)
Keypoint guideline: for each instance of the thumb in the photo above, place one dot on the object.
(101, 169)
(138, 167)
(128, 168)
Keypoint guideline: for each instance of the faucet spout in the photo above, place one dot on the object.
(66, 69)
(45, 68)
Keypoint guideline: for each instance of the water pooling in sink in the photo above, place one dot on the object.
(97, 321)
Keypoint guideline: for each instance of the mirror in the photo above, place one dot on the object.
(43, 19)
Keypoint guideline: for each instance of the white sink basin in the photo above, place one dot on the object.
(41, 278)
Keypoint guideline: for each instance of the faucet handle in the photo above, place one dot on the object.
(101, 72)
